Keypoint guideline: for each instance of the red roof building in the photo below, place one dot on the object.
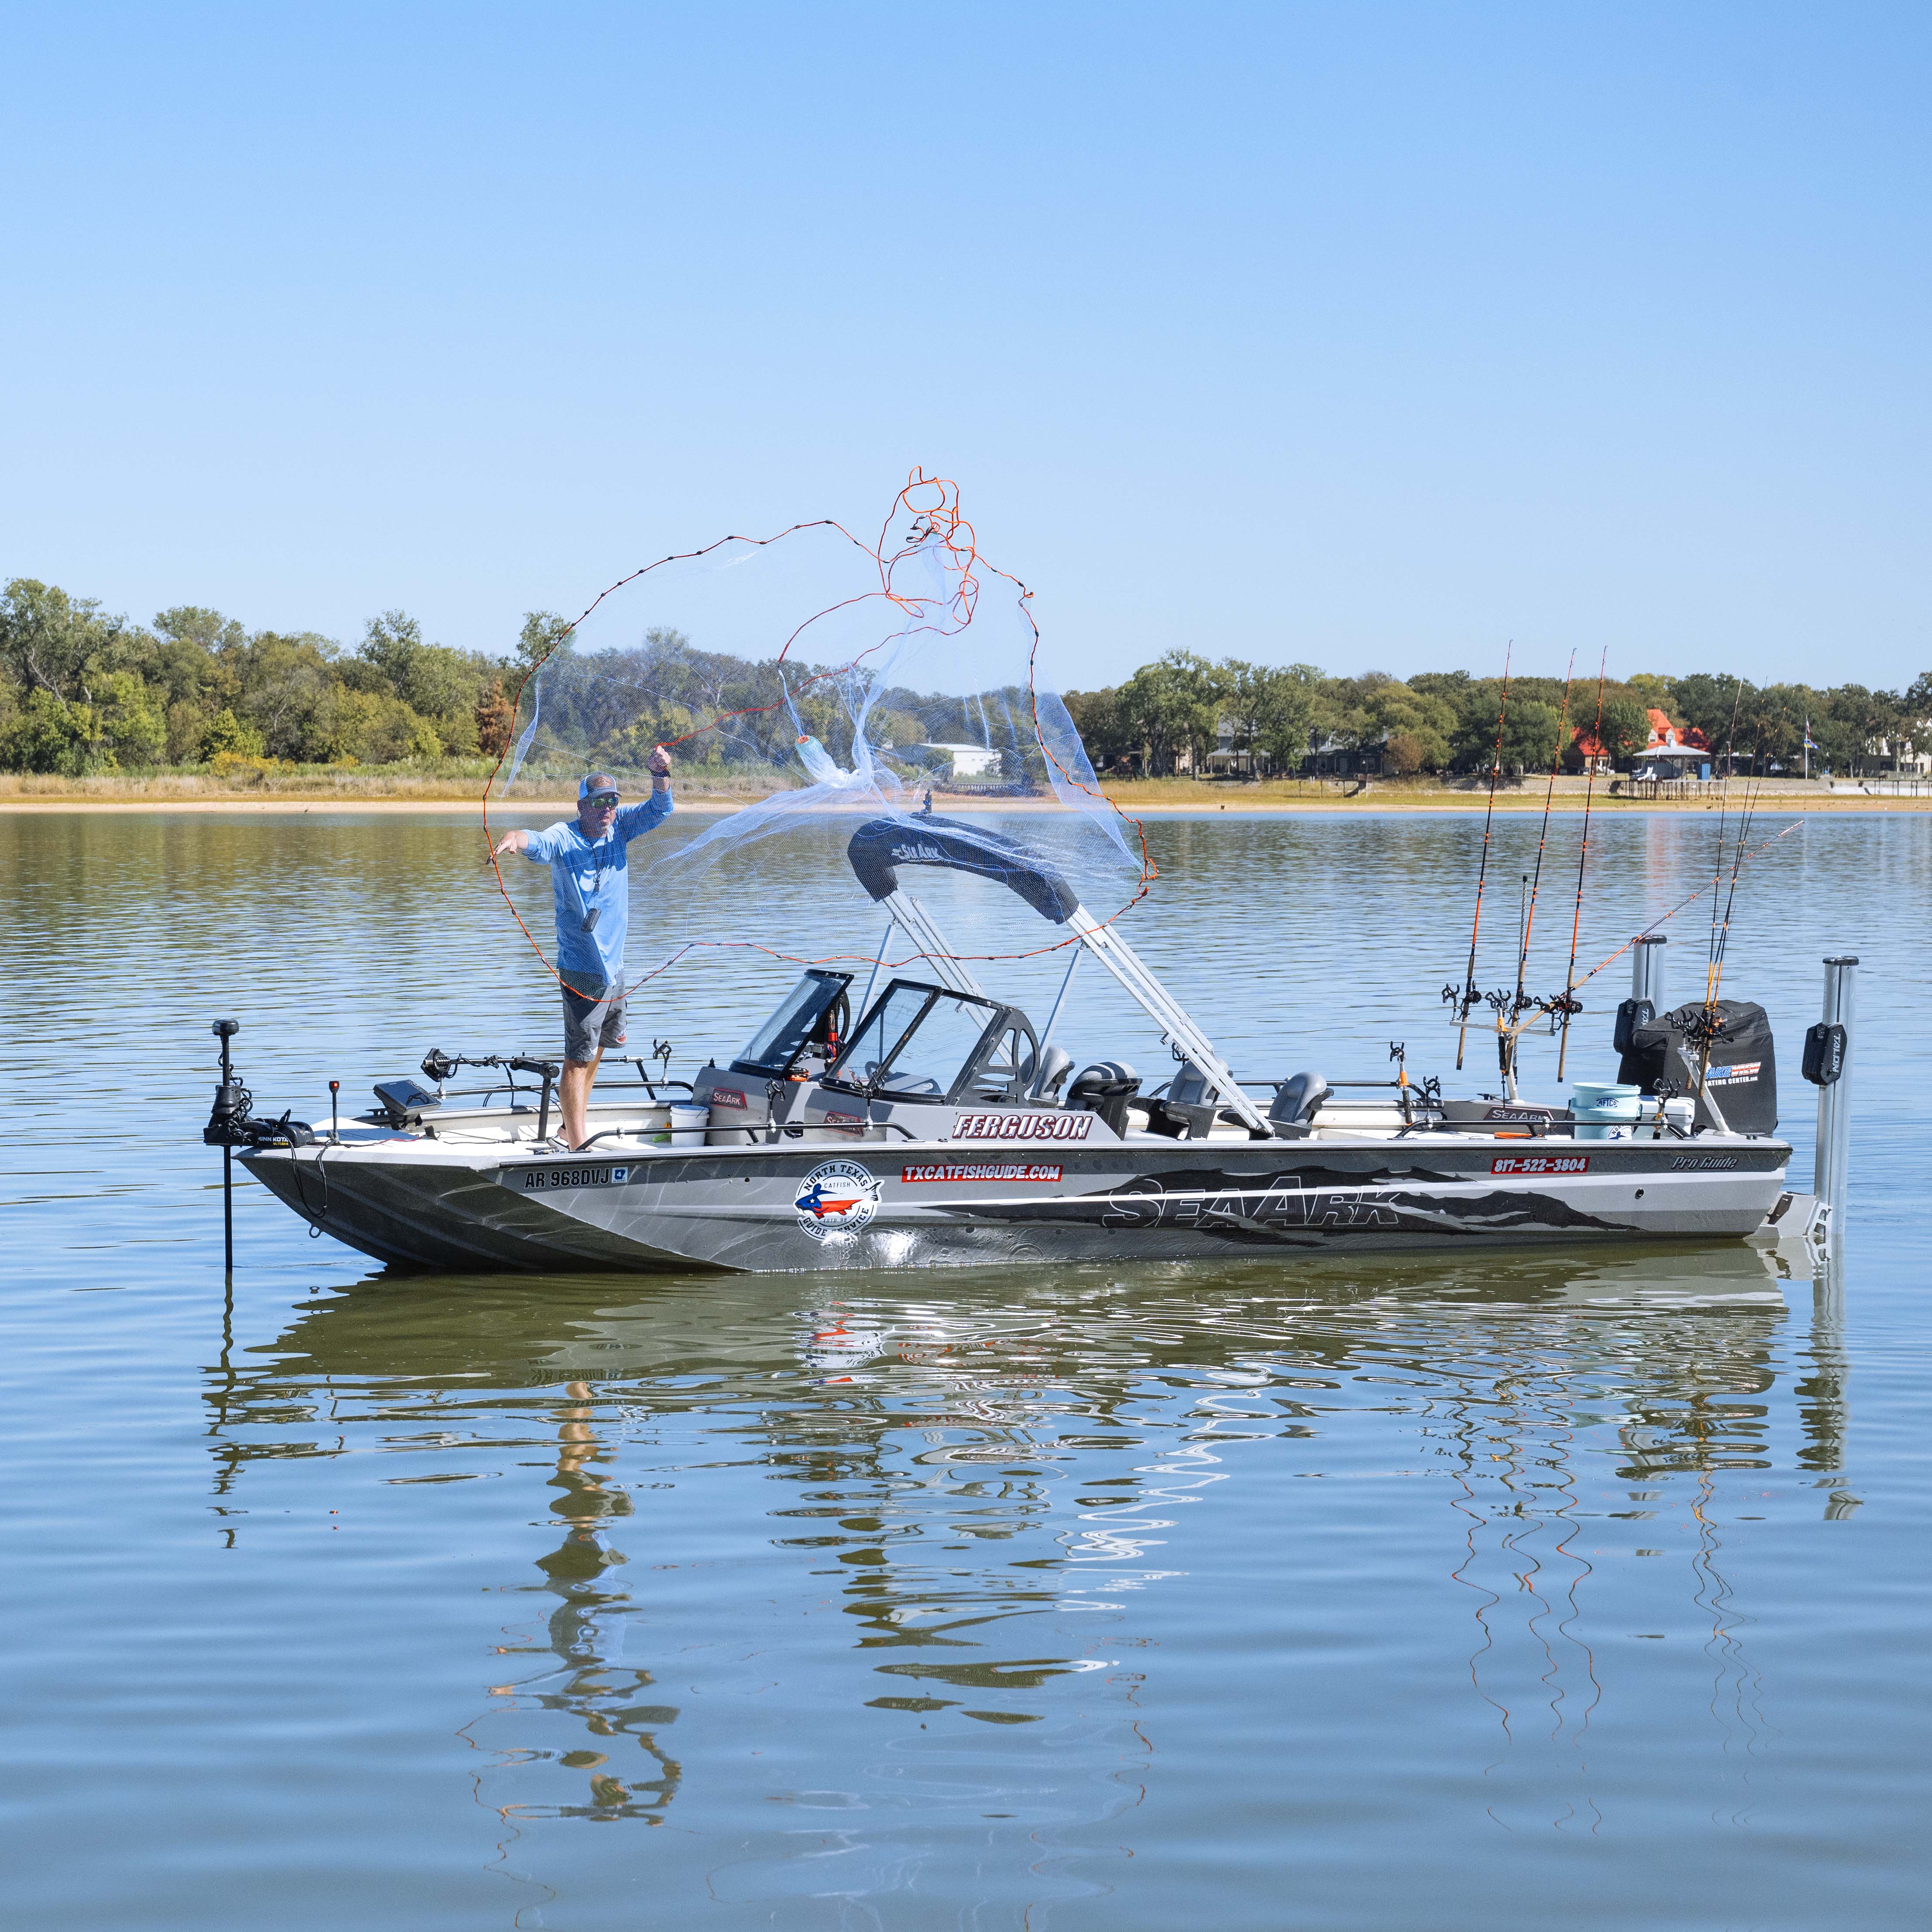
(1666, 741)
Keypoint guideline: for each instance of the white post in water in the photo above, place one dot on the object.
(1829, 1062)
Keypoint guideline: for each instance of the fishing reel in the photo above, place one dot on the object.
(1704, 1028)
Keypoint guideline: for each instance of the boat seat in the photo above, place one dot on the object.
(1297, 1099)
(1189, 1109)
(1055, 1064)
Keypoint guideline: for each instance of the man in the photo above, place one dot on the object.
(589, 870)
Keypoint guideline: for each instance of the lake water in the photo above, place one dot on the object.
(1583, 1590)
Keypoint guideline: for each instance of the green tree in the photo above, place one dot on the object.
(1285, 716)
(1707, 701)
(132, 726)
(1624, 729)
(1096, 715)
(1390, 710)
(544, 634)
(1529, 736)
(50, 735)
(51, 642)
(1171, 706)
(227, 732)
(1652, 690)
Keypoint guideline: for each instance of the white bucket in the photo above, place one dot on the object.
(688, 1125)
(1605, 1112)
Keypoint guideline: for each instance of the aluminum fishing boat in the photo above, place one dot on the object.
(930, 1123)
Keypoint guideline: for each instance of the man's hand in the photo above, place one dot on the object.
(510, 842)
(659, 764)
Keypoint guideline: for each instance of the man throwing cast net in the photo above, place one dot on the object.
(590, 879)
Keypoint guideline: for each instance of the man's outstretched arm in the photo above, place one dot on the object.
(639, 817)
(517, 841)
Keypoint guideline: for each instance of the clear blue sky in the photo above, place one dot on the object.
(1370, 335)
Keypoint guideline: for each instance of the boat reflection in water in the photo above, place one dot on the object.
(967, 1505)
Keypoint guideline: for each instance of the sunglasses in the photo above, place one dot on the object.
(602, 801)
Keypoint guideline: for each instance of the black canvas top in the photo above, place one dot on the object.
(881, 845)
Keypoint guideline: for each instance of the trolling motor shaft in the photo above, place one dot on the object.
(231, 1107)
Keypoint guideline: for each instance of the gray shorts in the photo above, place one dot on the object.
(593, 1019)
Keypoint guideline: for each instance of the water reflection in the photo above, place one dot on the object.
(999, 1460)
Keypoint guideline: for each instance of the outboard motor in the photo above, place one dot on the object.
(1104, 1088)
(1663, 1055)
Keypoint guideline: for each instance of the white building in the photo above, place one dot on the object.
(968, 761)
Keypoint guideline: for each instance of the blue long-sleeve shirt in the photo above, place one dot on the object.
(587, 878)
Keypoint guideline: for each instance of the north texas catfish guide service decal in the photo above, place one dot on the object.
(837, 1197)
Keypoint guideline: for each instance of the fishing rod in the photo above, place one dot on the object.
(1565, 1003)
(1706, 1019)
(1521, 999)
(1709, 1025)
(1468, 997)
(1723, 809)
(1583, 854)
(1691, 898)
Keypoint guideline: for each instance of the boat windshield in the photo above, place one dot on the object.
(777, 1045)
(915, 1044)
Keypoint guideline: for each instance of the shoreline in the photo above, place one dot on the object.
(1804, 802)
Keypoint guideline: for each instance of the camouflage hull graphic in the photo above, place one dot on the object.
(1305, 1209)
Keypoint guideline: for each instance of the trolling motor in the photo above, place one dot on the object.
(231, 1120)
(231, 1124)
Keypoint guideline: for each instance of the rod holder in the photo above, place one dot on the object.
(1828, 1066)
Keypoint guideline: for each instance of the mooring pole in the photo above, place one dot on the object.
(1828, 1066)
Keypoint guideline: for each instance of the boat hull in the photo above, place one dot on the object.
(422, 1203)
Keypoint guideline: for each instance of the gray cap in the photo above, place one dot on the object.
(599, 782)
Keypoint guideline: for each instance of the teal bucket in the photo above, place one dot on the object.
(1605, 1112)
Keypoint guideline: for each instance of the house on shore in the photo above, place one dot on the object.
(1672, 752)
(964, 761)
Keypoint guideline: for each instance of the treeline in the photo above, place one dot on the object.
(727, 712)
(1173, 712)
(82, 692)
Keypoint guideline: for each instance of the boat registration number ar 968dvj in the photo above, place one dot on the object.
(1541, 1163)
(574, 1177)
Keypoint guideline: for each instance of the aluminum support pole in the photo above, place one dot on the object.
(1831, 1160)
(917, 923)
(1060, 998)
(1154, 1000)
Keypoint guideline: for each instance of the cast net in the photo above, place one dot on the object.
(806, 685)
